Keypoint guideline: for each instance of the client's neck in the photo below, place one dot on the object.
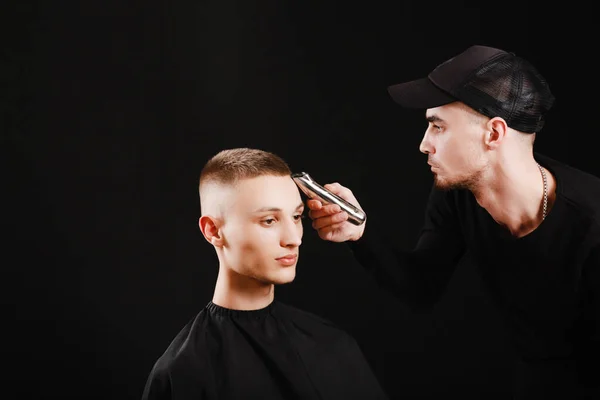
(238, 292)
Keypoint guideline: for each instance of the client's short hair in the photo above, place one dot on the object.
(229, 166)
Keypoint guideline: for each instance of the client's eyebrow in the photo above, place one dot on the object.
(276, 209)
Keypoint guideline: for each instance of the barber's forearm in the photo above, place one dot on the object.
(417, 277)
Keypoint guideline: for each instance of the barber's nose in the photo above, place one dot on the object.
(426, 146)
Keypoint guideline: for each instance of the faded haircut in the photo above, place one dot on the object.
(229, 166)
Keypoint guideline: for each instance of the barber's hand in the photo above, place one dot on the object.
(330, 221)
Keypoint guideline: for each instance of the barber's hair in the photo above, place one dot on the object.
(231, 165)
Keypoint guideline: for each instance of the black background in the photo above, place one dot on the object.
(111, 108)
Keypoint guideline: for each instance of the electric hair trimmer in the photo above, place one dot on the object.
(315, 191)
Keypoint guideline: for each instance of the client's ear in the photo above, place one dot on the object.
(209, 226)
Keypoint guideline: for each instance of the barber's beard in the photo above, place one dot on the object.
(467, 182)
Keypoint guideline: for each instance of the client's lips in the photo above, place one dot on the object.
(289, 259)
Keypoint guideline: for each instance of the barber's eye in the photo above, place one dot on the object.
(434, 126)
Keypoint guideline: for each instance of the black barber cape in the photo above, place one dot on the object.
(278, 352)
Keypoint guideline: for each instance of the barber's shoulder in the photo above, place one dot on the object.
(579, 188)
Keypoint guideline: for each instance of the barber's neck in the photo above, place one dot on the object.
(512, 192)
(239, 292)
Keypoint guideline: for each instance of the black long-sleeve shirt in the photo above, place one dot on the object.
(546, 284)
(275, 353)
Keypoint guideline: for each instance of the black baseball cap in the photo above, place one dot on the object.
(494, 82)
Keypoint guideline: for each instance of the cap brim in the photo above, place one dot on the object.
(420, 93)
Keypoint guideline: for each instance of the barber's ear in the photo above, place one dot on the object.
(496, 132)
(209, 226)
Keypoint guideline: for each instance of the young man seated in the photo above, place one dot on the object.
(244, 344)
